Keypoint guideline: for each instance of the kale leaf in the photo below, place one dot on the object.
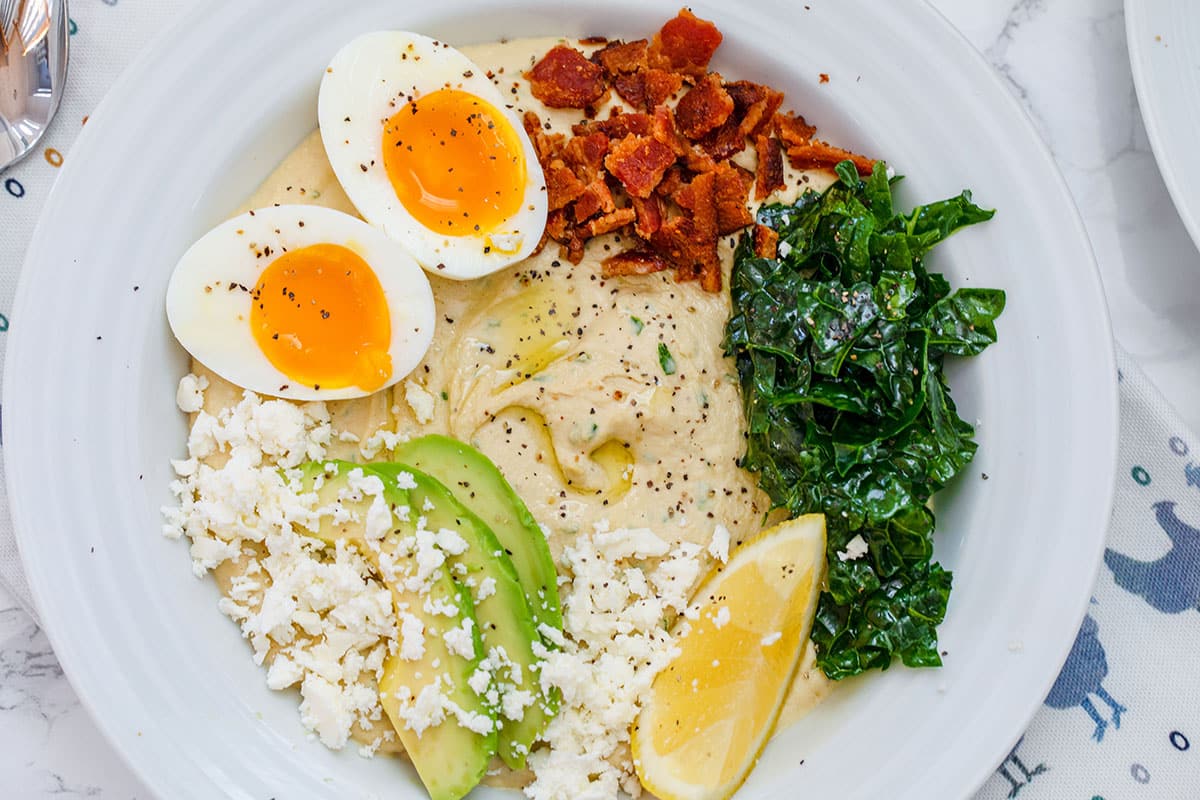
(840, 342)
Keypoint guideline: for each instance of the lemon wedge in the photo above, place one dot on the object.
(712, 710)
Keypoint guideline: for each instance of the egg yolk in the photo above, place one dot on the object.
(455, 163)
(321, 318)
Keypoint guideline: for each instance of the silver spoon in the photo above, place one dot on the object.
(33, 72)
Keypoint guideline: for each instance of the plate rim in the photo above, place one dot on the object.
(24, 525)
(1151, 106)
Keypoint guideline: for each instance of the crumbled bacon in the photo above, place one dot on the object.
(609, 222)
(631, 87)
(639, 162)
(585, 154)
(649, 212)
(766, 241)
(822, 155)
(544, 144)
(619, 57)
(633, 262)
(618, 126)
(731, 192)
(792, 129)
(664, 174)
(769, 174)
(596, 199)
(564, 78)
(705, 106)
(685, 44)
(562, 187)
(661, 86)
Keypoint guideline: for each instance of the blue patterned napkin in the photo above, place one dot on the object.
(1122, 718)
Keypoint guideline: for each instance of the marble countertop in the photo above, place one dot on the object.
(1068, 63)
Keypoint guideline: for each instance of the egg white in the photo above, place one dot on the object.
(209, 295)
(365, 85)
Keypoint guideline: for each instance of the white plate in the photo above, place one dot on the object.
(204, 115)
(1164, 54)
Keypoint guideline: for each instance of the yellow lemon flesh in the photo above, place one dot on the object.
(712, 710)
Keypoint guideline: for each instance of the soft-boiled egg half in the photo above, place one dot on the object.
(423, 144)
(301, 302)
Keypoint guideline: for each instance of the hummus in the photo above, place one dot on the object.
(556, 374)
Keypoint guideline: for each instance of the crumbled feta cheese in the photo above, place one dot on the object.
(405, 480)
(855, 548)
(190, 394)
(722, 617)
(315, 615)
(612, 646)
(412, 637)
(487, 588)
(771, 638)
(718, 548)
(459, 640)
(420, 401)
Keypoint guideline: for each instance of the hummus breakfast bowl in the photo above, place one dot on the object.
(562, 414)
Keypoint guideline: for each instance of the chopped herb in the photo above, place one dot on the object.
(444, 395)
(638, 325)
(840, 344)
(665, 359)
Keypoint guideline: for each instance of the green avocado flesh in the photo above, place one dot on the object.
(479, 485)
(449, 758)
(508, 628)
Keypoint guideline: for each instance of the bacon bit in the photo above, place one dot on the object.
(618, 126)
(545, 145)
(631, 88)
(649, 215)
(724, 142)
(609, 222)
(595, 199)
(639, 162)
(662, 128)
(671, 182)
(766, 242)
(700, 197)
(556, 225)
(706, 106)
(622, 57)
(822, 155)
(593, 40)
(585, 154)
(824, 77)
(573, 251)
(562, 187)
(685, 44)
(792, 129)
(661, 86)
(769, 175)
(690, 242)
(754, 105)
(732, 190)
(633, 262)
(564, 78)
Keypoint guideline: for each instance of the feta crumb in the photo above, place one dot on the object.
(190, 394)
(855, 548)
(420, 401)
(459, 640)
(718, 548)
(487, 588)
(412, 637)
(771, 638)
(405, 480)
(427, 505)
(612, 646)
(722, 617)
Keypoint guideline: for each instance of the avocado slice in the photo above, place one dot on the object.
(449, 757)
(522, 708)
(480, 486)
